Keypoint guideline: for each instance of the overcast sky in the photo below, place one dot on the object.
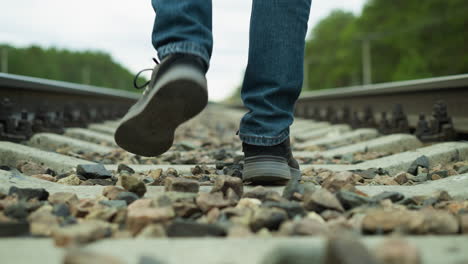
(123, 28)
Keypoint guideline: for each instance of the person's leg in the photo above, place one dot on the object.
(183, 27)
(178, 88)
(272, 83)
(274, 75)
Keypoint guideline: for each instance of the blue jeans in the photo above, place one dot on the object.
(275, 71)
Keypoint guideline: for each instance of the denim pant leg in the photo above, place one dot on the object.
(183, 26)
(274, 74)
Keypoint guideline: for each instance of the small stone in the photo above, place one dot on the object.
(239, 231)
(270, 218)
(427, 221)
(168, 198)
(187, 145)
(117, 204)
(392, 196)
(437, 222)
(86, 257)
(85, 232)
(93, 171)
(102, 213)
(70, 180)
(367, 174)
(456, 207)
(212, 216)
(384, 221)
(422, 161)
(250, 203)
(156, 174)
(18, 211)
(232, 196)
(43, 221)
(392, 251)
(132, 184)
(141, 203)
(330, 214)
(184, 228)
(101, 182)
(111, 192)
(171, 172)
(402, 177)
(222, 183)
(316, 217)
(385, 180)
(321, 200)
(435, 177)
(463, 170)
(293, 186)
(29, 193)
(128, 197)
(153, 231)
(125, 168)
(350, 200)
(45, 177)
(173, 184)
(263, 194)
(186, 209)
(69, 199)
(83, 207)
(197, 170)
(345, 250)
(348, 157)
(431, 201)
(207, 201)
(309, 227)
(61, 210)
(31, 168)
(439, 174)
(138, 218)
(422, 170)
(420, 178)
(292, 208)
(338, 181)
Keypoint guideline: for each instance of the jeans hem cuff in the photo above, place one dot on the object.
(264, 140)
(184, 47)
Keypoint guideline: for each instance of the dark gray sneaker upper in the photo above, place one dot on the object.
(270, 164)
(281, 150)
(176, 92)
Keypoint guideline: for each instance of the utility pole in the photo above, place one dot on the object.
(366, 61)
(4, 63)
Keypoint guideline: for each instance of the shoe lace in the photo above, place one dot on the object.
(135, 80)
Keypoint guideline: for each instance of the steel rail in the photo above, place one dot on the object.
(29, 105)
(415, 97)
(8, 81)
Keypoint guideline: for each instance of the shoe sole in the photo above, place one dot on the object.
(148, 129)
(268, 169)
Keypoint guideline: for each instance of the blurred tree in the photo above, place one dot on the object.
(409, 39)
(85, 67)
(333, 52)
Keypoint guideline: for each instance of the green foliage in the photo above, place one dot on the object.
(85, 67)
(409, 39)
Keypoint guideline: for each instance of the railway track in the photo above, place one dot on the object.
(367, 195)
